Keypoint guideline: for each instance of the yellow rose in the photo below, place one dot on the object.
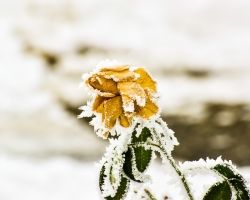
(123, 93)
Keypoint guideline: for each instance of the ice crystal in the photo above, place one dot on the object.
(204, 164)
(113, 161)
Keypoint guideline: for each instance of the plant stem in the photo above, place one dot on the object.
(178, 171)
(181, 175)
(150, 195)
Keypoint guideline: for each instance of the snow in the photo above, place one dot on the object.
(52, 179)
(62, 178)
(113, 162)
(205, 164)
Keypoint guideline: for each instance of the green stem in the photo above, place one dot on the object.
(150, 195)
(178, 171)
(181, 175)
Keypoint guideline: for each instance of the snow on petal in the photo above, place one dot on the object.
(148, 110)
(107, 87)
(115, 68)
(134, 91)
(128, 104)
(117, 76)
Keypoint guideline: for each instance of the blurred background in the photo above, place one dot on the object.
(199, 51)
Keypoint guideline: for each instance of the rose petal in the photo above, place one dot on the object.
(115, 69)
(112, 110)
(148, 110)
(132, 90)
(124, 121)
(127, 104)
(117, 76)
(105, 135)
(106, 87)
(145, 80)
(98, 104)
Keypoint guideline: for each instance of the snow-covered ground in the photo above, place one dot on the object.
(53, 179)
(66, 179)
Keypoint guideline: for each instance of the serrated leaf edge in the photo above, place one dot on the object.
(216, 184)
(236, 173)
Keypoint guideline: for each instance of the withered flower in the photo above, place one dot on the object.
(123, 93)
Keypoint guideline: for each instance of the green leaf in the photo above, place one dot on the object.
(139, 155)
(145, 134)
(142, 158)
(219, 191)
(127, 166)
(122, 189)
(101, 177)
(235, 179)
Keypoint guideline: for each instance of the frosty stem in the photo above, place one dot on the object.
(176, 168)
(151, 197)
(179, 172)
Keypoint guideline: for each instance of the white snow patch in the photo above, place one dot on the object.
(66, 179)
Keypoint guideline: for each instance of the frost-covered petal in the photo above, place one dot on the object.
(128, 103)
(112, 110)
(115, 69)
(98, 104)
(125, 121)
(106, 87)
(150, 109)
(145, 80)
(117, 76)
(134, 91)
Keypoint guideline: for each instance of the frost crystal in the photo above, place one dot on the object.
(113, 161)
(160, 131)
(137, 174)
(204, 164)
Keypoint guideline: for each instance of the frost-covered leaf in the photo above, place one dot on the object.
(121, 190)
(144, 135)
(219, 191)
(235, 179)
(127, 167)
(137, 158)
(112, 162)
(142, 156)
(101, 178)
(163, 135)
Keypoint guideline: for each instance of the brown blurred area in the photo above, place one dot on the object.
(198, 52)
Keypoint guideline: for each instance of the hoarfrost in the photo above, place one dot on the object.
(159, 131)
(113, 162)
(86, 111)
(204, 164)
(129, 107)
(137, 174)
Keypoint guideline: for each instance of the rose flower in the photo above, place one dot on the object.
(122, 94)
